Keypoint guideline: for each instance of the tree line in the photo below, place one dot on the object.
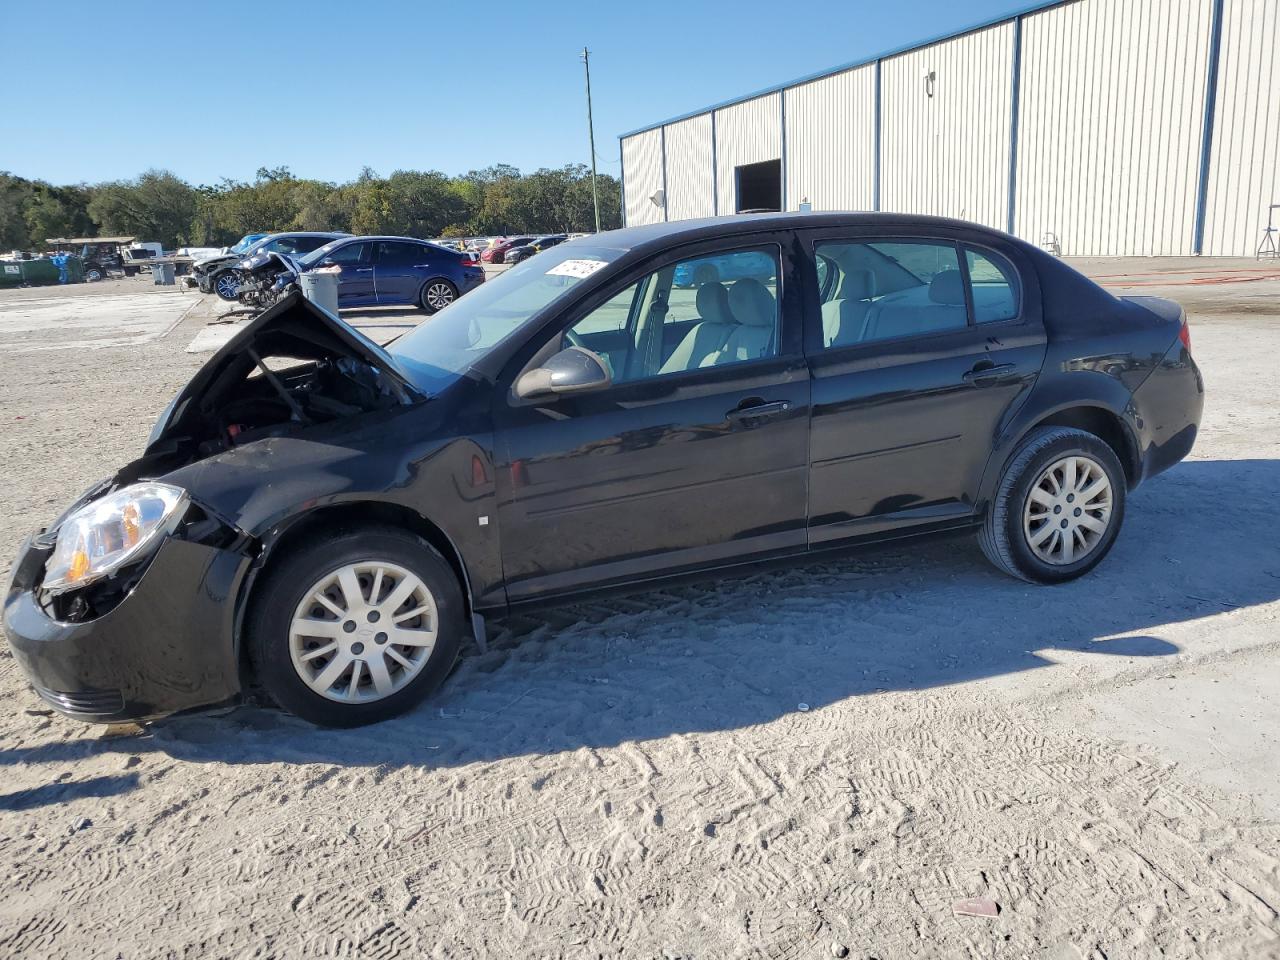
(159, 206)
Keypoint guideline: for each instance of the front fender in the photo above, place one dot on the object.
(264, 487)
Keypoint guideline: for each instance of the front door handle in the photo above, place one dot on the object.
(756, 409)
(984, 374)
(364, 269)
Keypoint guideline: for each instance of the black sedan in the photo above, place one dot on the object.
(332, 519)
(525, 251)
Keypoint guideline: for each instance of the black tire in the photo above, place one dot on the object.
(706, 273)
(93, 273)
(428, 297)
(1003, 535)
(287, 582)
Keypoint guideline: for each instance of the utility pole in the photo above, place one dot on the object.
(591, 134)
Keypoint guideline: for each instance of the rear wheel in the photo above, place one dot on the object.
(357, 630)
(1058, 508)
(438, 294)
(226, 285)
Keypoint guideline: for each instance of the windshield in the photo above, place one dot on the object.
(441, 349)
(246, 242)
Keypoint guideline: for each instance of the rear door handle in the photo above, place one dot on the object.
(982, 375)
(757, 410)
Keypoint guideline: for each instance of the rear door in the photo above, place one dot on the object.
(919, 347)
(399, 269)
(689, 459)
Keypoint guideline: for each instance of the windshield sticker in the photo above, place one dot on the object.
(575, 268)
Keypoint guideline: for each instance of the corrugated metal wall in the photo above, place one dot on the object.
(1245, 171)
(831, 141)
(745, 133)
(689, 174)
(1111, 112)
(948, 154)
(642, 177)
(1111, 120)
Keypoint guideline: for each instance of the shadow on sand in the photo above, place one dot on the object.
(747, 650)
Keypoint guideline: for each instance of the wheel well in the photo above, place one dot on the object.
(1106, 426)
(322, 521)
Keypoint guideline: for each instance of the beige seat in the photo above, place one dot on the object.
(709, 335)
(844, 319)
(944, 311)
(756, 311)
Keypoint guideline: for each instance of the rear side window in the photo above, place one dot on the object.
(886, 290)
(307, 244)
(395, 254)
(995, 286)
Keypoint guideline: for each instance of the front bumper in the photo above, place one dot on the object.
(166, 646)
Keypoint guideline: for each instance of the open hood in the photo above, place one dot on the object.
(300, 360)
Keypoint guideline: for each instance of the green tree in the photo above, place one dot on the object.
(156, 206)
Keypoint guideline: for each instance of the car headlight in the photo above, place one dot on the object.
(107, 534)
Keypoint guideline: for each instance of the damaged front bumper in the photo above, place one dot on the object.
(167, 645)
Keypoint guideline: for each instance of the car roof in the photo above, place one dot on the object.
(711, 227)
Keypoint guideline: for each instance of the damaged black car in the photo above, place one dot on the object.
(329, 521)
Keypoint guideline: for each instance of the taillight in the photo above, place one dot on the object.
(1185, 335)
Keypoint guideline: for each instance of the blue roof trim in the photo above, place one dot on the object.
(866, 61)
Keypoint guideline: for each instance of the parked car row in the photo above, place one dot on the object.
(373, 271)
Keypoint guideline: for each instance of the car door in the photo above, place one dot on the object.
(355, 283)
(399, 268)
(914, 368)
(694, 456)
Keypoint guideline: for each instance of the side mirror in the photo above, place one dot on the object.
(570, 371)
(326, 262)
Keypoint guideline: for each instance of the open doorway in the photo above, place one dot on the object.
(759, 186)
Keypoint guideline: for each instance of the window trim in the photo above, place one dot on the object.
(1018, 286)
(664, 260)
(813, 345)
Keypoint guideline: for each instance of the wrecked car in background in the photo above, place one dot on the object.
(219, 274)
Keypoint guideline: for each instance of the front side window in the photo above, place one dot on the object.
(886, 290)
(704, 312)
(351, 253)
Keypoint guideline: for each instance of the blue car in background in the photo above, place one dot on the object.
(730, 266)
(395, 271)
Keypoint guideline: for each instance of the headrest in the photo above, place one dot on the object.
(858, 285)
(752, 303)
(713, 303)
(947, 287)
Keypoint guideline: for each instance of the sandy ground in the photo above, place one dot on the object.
(774, 765)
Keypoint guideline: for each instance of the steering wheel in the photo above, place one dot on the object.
(574, 339)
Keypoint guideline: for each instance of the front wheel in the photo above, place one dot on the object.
(94, 273)
(226, 285)
(438, 294)
(1058, 508)
(356, 628)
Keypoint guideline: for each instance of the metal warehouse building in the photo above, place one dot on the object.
(1106, 127)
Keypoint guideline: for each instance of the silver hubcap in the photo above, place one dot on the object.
(363, 631)
(227, 285)
(1068, 510)
(439, 296)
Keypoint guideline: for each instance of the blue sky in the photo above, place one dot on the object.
(326, 88)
